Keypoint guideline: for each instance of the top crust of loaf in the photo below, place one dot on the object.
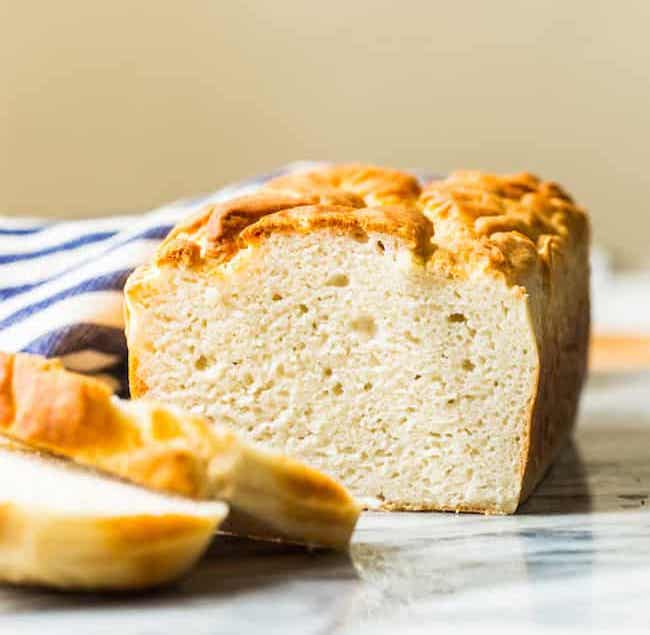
(509, 225)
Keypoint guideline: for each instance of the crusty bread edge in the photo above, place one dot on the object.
(95, 552)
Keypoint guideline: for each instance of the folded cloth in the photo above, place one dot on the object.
(61, 282)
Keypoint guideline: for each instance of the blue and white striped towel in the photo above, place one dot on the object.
(61, 283)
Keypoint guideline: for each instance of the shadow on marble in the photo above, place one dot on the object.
(605, 468)
(564, 489)
(231, 566)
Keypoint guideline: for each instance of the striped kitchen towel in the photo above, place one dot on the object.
(61, 282)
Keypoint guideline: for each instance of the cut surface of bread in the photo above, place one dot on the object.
(162, 447)
(427, 348)
(67, 527)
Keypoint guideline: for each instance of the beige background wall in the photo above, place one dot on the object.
(118, 106)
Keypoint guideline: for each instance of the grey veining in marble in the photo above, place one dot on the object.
(576, 557)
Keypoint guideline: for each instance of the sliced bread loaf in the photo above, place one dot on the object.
(424, 346)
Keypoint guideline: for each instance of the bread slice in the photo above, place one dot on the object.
(64, 526)
(426, 347)
(161, 447)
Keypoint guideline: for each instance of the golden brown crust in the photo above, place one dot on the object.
(371, 185)
(137, 386)
(227, 220)
(72, 415)
(92, 553)
(40, 401)
(406, 223)
(517, 221)
(513, 225)
(47, 407)
(143, 529)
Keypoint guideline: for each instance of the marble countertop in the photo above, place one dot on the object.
(575, 558)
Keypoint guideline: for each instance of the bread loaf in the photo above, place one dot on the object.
(67, 527)
(164, 448)
(426, 346)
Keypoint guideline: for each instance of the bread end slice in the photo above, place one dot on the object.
(66, 527)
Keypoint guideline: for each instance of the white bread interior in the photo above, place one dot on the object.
(68, 527)
(414, 390)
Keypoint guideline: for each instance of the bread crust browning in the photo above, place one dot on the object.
(93, 553)
(405, 223)
(515, 222)
(68, 414)
(503, 224)
(371, 184)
